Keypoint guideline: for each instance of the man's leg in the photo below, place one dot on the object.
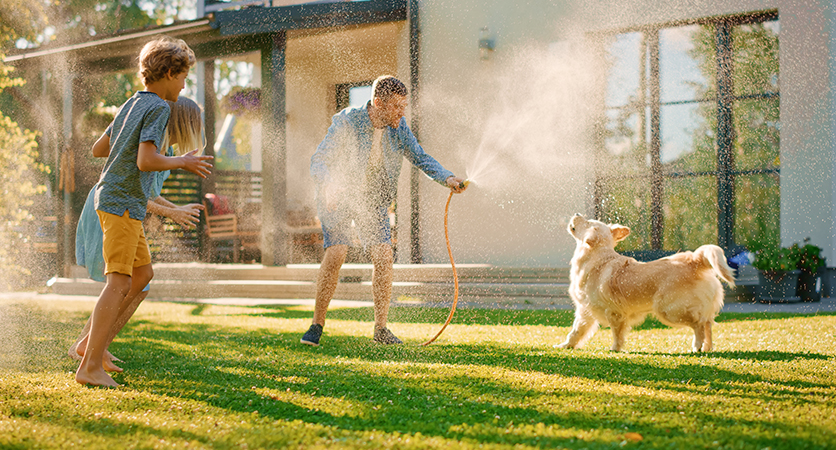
(90, 370)
(326, 281)
(326, 284)
(382, 277)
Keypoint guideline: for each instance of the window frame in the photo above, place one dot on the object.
(724, 101)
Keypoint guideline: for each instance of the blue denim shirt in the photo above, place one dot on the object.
(343, 155)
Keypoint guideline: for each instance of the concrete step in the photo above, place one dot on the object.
(426, 282)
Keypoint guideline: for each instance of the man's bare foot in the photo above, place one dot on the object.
(96, 377)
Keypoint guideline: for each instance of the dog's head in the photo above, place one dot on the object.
(595, 234)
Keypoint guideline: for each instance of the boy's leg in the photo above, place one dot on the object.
(139, 277)
(76, 351)
(124, 249)
(326, 281)
(90, 370)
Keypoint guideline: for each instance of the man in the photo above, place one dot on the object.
(356, 169)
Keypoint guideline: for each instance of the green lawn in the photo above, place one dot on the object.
(230, 377)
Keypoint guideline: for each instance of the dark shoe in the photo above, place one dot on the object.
(312, 336)
(384, 336)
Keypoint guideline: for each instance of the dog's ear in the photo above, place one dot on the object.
(591, 238)
(619, 232)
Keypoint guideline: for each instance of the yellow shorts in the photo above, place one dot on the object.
(123, 245)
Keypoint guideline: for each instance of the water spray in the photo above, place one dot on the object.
(462, 185)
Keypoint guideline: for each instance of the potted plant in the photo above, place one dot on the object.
(810, 263)
(777, 274)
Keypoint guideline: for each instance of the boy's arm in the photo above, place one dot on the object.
(149, 160)
(101, 149)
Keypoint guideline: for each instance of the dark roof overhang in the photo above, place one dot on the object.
(220, 34)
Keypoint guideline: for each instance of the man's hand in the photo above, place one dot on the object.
(196, 164)
(456, 184)
(187, 216)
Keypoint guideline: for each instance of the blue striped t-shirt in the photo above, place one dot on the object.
(122, 186)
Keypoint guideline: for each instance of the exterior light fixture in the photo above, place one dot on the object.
(486, 44)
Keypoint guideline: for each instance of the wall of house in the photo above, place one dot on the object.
(316, 63)
(524, 115)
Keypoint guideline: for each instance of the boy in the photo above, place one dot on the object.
(131, 144)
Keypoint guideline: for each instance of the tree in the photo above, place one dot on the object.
(19, 170)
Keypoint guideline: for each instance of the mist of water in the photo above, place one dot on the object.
(521, 131)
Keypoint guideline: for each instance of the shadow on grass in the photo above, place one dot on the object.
(414, 314)
(31, 336)
(448, 391)
(431, 390)
(478, 316)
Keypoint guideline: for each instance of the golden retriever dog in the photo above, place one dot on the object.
(617, 291)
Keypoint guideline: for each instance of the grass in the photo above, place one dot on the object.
(200, 376)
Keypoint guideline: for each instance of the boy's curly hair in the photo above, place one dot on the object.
(163, 54)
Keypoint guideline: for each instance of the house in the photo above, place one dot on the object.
(690, 122)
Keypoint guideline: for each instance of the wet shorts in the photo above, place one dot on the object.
(123, 245)
(355, 224)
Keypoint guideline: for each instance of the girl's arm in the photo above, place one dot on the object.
(187, 216)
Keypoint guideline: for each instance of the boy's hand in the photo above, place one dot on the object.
(187, 216)
(197, 164)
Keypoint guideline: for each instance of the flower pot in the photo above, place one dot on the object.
(809, 286)
(778, 286)
(828, 285)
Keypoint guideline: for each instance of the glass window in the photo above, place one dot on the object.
(626, 202)
(757, 141)
(697, 130)
(690, 212)
(756, 58)
(681, 75)
(688, 138)
(626, 151)
(757, 209)
(624, 80)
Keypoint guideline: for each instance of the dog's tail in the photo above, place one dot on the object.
(717, 259)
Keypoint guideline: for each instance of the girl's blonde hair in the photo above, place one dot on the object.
(185, 126)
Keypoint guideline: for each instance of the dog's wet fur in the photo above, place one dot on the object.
(613, 290)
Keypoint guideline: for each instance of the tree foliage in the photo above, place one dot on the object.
(19, 168)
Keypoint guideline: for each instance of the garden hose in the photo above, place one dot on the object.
(453, 264)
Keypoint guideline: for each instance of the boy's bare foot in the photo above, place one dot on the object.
(77, 354)
(74, 353)
(108, 365)
(97, 377)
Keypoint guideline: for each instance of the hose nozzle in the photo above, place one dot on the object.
(464, 184)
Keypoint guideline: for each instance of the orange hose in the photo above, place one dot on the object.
(455, 275)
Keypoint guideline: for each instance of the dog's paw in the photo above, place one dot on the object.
(563, 345)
